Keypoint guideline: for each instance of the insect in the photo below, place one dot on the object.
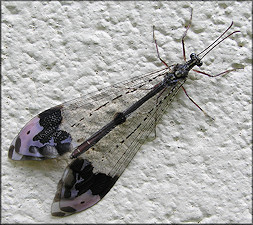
(103, 130)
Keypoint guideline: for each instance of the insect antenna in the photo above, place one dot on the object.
(214, 44)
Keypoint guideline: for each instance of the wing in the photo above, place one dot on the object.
(60, 129)
(90, 177)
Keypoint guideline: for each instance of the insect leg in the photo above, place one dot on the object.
(219, 74)
(157, 48)
(196, 103)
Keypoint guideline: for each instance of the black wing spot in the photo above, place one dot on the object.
(116, 97)
(101, 106)
(85, 179)
(17, 144)
(11, 149)
(68, 209)
(50, 120)
(60, 214)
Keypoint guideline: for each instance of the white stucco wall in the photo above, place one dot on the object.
(196, 170)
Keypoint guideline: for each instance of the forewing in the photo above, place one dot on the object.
(60, 129)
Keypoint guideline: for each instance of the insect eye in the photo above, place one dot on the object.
(192, 55)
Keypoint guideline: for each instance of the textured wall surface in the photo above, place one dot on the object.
(196, 170)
